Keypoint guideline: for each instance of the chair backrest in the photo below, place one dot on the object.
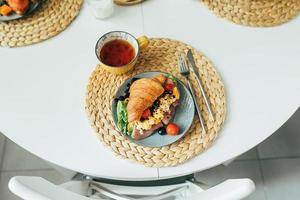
(37, 188)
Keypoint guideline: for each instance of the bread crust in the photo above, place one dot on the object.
(143, 93)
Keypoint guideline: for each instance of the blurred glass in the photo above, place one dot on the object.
(101, 8)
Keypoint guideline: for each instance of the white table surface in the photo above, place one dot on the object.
(42, 86)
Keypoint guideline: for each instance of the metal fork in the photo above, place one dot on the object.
(184, 71)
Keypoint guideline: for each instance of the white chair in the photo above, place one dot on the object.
(37, 188)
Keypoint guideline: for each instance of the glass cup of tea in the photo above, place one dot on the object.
(118, 51)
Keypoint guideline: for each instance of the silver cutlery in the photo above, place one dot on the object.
(184, 71)
(197, 75)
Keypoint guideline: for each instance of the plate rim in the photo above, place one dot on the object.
(114, 105)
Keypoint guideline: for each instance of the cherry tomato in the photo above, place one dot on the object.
(172, 129)
(146, 114)
(169, 87)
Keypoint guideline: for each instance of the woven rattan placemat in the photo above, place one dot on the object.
(50, 19)
(259, 13)
(160, 55)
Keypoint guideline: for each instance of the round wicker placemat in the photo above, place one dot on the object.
(52, 18)
(259, 13)
(160, 55)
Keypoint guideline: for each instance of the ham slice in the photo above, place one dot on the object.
(175, 103)
(137, 135)
(169, 115)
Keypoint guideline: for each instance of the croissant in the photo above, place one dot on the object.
(19, 6)
(160, 78)
(143, 93)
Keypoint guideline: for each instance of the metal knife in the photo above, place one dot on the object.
(197, 75)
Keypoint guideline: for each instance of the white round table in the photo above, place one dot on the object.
(42, 86)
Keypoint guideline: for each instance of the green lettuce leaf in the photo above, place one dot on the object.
(122, 116)
(172, 78)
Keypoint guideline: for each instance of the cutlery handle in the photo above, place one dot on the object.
(205, 97)
(197, 107)
(197, 75)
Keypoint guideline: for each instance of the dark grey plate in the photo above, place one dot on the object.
(183, 117)
(32, 7)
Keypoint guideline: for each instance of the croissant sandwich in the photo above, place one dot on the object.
(148, 105)
(19, 6)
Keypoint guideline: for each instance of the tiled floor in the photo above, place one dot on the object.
(274, 166)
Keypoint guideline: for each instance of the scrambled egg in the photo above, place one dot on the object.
(157, 115)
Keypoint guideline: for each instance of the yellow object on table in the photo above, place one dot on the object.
(127, 2)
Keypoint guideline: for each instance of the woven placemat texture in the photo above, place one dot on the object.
(160, 55)
(50, 19)
(257, 13)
